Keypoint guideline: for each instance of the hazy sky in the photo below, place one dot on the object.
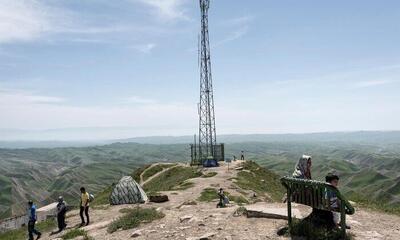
(278, 66)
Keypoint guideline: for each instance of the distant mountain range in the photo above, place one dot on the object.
(376, 137)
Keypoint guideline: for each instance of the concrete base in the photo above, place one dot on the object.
(260, 211)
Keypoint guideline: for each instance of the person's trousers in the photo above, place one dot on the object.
(242, 158)
(32, 230)
(61, 221)
(86, 210)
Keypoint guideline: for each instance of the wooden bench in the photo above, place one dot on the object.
(313, 193)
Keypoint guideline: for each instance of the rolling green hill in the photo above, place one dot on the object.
(44, 174)
(369, 173)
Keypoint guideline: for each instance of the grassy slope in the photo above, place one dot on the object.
(171, 179)
(260, 180)
(44, 174)
(369, 173)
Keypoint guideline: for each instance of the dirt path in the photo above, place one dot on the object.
(189, 222)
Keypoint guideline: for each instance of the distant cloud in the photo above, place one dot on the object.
(240, 25)
(12, 97)
(29, 20)
(373, 83)
(242, 20)
(139, 100)
(233, 36)
(144, 48)
(167, 9)
(23, 20)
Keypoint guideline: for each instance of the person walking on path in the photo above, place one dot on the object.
(61, 211)
(32, 217)
(84, 206)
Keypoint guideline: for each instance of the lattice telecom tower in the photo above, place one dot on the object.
(207, 152)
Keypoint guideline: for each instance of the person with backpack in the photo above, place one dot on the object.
(84, 206)
(61, 211)
(32, 218)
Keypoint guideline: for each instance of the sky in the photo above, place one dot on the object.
(126, 68)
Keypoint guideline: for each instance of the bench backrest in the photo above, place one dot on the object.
(314, 194)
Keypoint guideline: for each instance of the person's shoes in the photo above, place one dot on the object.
(82, 224)
(87, 223)
(38, 236)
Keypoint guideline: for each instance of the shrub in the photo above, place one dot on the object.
(132, 218)
(74, 233)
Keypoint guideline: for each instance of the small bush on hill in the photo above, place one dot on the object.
(208, 195)
(74, 233)
(132, 218)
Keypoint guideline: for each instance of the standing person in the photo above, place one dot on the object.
(84, 206)
(303, 168)
(32, 221)
(242, 155)
(61, 211)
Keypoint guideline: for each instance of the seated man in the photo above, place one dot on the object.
(222, 200)
(333, 180)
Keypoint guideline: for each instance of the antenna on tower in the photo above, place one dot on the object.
(209, 153)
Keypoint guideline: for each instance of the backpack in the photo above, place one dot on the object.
(91, 197)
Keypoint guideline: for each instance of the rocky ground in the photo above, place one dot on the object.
(205, 221)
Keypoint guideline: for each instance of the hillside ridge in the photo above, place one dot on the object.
(191, 212)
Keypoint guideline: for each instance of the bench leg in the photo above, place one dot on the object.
(289, 209)
(343, 220)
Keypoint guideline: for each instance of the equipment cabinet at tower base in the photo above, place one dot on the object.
(207, 161)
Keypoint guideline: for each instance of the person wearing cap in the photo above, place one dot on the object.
(32, 217)
(61, 211)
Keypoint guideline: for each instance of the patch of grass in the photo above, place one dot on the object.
(373, 205)
(103, 197)
(74, 233)
(303, 228)
(154, 169)
(260, 180)
(132, 218)
(136, 174)
(22, 233)
(184, 186)
(208, 195)
(189, 202)
(171, 178)
(209, 174)
(238, 199)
